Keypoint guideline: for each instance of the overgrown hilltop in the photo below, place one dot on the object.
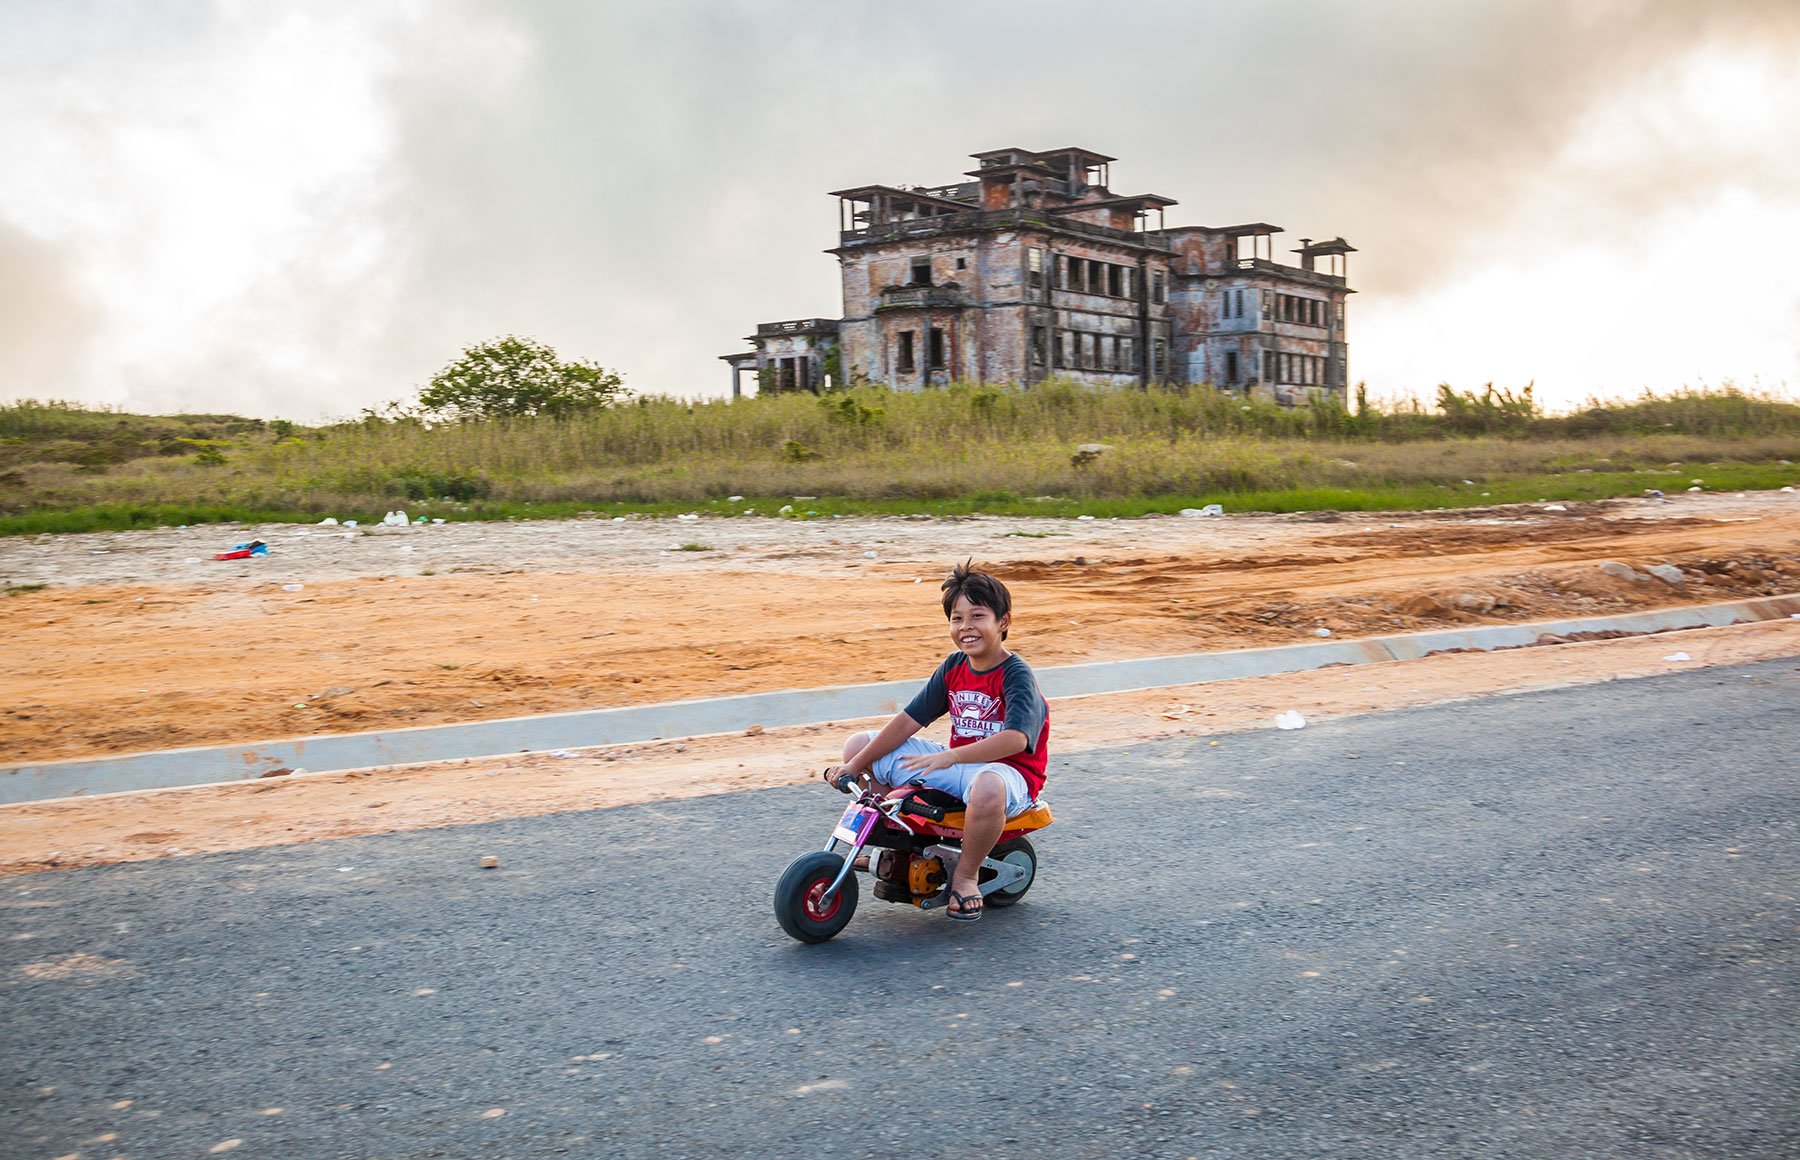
(962, 448)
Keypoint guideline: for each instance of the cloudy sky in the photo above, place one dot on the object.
(301, 208)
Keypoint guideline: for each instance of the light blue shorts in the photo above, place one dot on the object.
(955, 779)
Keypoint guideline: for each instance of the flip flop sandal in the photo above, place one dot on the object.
(963, 914)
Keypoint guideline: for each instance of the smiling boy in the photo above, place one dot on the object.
(999, 730)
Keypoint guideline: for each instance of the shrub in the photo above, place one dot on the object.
(510, 377)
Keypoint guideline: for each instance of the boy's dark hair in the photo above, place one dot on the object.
(982, 590)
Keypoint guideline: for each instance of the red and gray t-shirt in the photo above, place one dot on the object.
(983, 704)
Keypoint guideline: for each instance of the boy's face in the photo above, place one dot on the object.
(976, 631)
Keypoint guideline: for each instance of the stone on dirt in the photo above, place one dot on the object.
(1422, 604)
(1622, 571)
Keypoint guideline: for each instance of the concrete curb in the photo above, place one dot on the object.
(205, 765)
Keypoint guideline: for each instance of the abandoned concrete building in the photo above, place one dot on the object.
(1035, 269)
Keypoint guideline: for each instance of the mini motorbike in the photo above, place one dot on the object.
(908, 841)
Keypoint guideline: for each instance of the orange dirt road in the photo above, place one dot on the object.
(310, 807)
(141, 640)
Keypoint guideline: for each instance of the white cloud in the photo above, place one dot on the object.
(1656, 251)
(306, 208)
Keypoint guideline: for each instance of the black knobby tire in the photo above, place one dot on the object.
(1021, 851)
(797, 906)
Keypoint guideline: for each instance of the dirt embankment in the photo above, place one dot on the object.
(142, 641)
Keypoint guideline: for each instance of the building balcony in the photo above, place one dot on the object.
(984, 221)
(1264, 266)
(798, 326)
(920, 297)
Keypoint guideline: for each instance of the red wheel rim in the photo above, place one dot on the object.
(812, 901)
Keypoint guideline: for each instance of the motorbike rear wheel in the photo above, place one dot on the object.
(1018, 852)
(799, 905)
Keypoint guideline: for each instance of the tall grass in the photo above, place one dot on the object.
(963, 447)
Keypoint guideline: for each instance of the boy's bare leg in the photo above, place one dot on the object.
(854, 744)
(983, 821)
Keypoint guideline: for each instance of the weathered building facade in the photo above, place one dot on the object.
(1034, 269)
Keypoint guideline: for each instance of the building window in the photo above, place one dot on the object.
(921, 272)
(1159, 357)
(1115, 281)
(1034, 266)
(937, 349)
(906, 363)
(1303, 370)
(1156, 287)
(962, 263)
(1268, 305)
(1231, 370)
(1306, 311)
(1040, 337)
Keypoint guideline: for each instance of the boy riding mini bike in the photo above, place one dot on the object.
(943, 826)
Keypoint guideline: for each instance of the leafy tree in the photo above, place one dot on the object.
(511, 376)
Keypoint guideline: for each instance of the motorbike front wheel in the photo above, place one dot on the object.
(800, 907)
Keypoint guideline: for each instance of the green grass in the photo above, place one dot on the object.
(116, 517)
(956, 451)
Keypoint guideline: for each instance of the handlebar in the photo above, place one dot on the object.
(922, 809)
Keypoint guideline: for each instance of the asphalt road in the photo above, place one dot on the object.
(1547, 925)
